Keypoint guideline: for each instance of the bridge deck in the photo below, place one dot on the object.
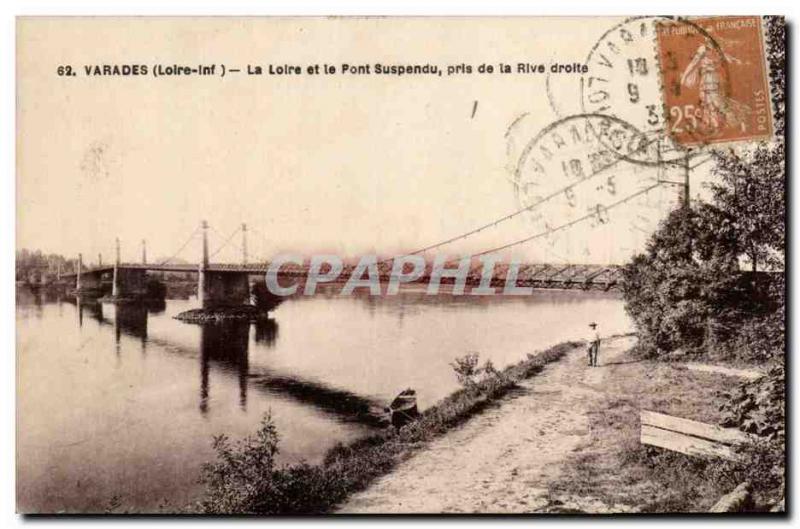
(534, 273)
(256, 268)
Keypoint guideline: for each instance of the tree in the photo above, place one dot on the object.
(677, 292)
(751, 196)
(752, 181)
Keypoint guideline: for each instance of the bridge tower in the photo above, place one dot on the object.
(201, 273)
(116, 279)
(244, 243)
(204, 262)
(129, 282)
(78, 272)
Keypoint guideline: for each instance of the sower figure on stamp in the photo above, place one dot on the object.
(594, 344)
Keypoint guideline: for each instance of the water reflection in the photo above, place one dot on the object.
(225, 344)
(266, 331)
(345, 405)
(91, 306)
(156, 306)
(130, 319)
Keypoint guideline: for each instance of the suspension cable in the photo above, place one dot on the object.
(260, 236)
(225, 242)
(568, 224)
(185, 244)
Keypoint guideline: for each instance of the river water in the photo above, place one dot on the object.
(118, 404)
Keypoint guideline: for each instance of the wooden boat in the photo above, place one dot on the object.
(403, 408)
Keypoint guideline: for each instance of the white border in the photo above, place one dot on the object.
(11, 9)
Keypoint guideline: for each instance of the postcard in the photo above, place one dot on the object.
(388, 265)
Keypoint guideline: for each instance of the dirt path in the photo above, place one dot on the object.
(503, 460)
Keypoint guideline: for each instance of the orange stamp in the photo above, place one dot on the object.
(715, 85)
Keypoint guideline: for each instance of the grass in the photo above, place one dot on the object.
(246, 480)
(614, 468)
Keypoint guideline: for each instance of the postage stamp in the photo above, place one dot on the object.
(715, 84)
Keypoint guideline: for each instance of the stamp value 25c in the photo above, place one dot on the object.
(714, 78)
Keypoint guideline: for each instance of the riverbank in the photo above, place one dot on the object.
(234, 486)
(567, 441)
(502, 460)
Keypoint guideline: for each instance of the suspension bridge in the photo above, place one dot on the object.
(226, 284)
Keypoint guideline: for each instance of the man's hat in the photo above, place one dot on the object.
(593, 325)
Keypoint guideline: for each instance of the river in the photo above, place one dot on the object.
(118, 404)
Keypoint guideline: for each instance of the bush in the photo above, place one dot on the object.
(466, 369)
(245, 479)
(243, 472)
(468, 373)
(758, 407)
(761, 463)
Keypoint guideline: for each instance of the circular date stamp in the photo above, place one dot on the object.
(579, 189)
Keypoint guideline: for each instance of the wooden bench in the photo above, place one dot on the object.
(690, 437)
(747, 374)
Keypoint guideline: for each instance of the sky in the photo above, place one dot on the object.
(337, 164)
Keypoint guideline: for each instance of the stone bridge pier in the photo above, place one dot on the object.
(87, 282)
(217, 288)
(129, 283)
(223, 289)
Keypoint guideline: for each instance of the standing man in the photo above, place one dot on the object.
(594, 344)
